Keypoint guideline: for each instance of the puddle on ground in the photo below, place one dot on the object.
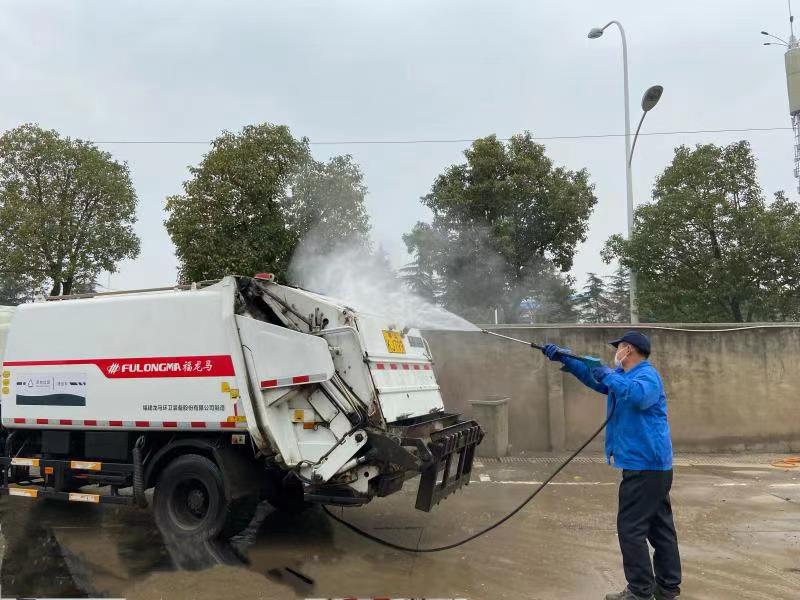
(60, 550)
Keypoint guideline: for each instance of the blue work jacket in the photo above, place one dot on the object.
(637, 436)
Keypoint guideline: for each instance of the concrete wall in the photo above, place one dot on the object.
(726, 390)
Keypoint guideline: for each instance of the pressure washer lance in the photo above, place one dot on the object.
(590, 362)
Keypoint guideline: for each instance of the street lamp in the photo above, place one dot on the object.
(650, 99)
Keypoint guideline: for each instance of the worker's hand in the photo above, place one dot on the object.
(600, 373)
(553, 352)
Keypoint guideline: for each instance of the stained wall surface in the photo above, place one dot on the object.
(727, 389)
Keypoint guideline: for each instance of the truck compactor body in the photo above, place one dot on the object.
(220, 395)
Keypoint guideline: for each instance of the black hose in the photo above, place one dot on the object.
(486, 530)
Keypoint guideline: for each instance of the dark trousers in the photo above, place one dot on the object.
(645, 514)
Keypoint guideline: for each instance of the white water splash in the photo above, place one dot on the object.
(359, 279)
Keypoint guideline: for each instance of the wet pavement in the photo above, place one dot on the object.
(738, 521)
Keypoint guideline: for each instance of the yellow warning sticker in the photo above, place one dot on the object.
(23, 492)
(394, 342)
(85, 465)
(78, 497)
(25, 462)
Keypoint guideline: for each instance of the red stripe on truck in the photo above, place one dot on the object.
(90, 423)
(297, 379)
(65, 422)
(199, 424)
(217, 365)
(169, 424)
(142, 423)
(18, 420)
(42, 421)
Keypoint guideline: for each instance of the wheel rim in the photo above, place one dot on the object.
(190, 503)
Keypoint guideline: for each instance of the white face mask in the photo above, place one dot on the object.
(618, 360)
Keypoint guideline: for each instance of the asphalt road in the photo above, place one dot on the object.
(738, 522)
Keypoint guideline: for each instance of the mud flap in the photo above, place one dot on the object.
(449, 465)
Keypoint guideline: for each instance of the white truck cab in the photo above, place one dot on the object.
(219, 394)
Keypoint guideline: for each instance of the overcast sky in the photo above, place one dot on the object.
(380, 70)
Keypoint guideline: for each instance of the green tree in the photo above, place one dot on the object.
(551, 300)
(619, 295)
(328, 200)
(709, 247)
(232, 217)
(15, 290)
(594, 304)
(420, 281)
(67, 211)
(253, 198)
(501, 220)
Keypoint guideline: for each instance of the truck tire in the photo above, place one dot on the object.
(190, 502)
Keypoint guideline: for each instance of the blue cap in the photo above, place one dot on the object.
(634, 338)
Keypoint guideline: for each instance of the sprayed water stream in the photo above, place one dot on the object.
(353, 274)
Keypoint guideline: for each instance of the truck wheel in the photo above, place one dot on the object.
(189, 500)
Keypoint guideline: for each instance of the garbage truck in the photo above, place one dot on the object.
(217, 396)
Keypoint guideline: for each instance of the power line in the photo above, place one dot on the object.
(559, 137)
(464, 140)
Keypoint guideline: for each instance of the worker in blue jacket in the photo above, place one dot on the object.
(638, 442)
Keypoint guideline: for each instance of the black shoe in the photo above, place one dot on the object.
(626, 594)
(662, 595)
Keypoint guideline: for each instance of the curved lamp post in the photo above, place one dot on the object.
(650, 99)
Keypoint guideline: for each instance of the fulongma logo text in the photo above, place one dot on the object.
(166, 366)
(148, 367)
(204, 365)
